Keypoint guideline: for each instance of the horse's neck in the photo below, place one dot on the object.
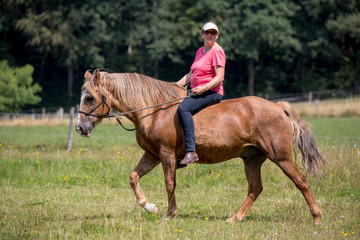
(145, 117)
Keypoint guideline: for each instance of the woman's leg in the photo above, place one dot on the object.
(190, 106)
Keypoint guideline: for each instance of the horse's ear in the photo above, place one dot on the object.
(87, 74)
(97, 77)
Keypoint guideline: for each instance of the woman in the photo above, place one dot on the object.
(206, 77)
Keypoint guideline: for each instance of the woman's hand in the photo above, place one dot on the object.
(219, 77)
(199, 90)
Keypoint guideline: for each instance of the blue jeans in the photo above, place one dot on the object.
(189, 107)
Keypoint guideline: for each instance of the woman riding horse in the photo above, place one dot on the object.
(206, 77)
(251, 128)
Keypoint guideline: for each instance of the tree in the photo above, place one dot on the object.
(69, 33)
(272, 46)
(151, 34)
(253, 27)
(344, 32)
(17, 88)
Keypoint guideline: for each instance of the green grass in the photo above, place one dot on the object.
(47, 192)
(335, 131)
(43, 137)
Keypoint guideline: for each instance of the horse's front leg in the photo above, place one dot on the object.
(169, 166)
(146, 164)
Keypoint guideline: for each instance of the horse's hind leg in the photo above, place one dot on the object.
(253, 176)
(289, 167)
(146, 164)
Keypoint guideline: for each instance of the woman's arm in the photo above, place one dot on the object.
(185, 80)
(219, 77)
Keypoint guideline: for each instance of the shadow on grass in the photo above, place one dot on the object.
(91, 217)
(248, 218)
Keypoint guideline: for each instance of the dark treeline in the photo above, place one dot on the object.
(272, 46)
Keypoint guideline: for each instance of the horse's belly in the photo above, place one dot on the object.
(220, 137)
(217, 148)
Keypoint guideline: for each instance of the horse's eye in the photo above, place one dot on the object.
(89, 99)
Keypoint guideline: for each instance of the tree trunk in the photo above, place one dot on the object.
(70, 82)
(299, 72)
(156, 69)
(251, 80)
(141, 57)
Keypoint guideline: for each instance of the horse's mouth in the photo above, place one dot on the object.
(88, 134)
(84, 134)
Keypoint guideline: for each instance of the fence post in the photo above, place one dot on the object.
(61, 114)
(43, 112)
(69, 143)
(33, 115)
(317, 110)
(310, 96)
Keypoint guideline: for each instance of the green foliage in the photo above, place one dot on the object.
(273, 46)
(17, 88)
(321, 63)
(345, 32)
(261, 28)
(69, 32)
(258, 25)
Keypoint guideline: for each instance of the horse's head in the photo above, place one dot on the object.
(95, 104)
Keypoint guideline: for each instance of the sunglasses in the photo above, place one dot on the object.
(211, 32)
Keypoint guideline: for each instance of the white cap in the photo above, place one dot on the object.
(208, 26)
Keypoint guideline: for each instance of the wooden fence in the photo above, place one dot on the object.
(36, 114)
(315, 95)
(315, 98)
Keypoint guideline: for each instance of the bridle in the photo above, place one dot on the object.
(103, 101)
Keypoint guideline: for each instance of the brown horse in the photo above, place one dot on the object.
(251, 128)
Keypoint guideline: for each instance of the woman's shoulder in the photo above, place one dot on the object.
(217, 47)
(218, 50)
(199, 50)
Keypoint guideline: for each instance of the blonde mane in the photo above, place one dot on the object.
(135, 90)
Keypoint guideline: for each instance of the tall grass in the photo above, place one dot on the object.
(47, 192)
(349, 107)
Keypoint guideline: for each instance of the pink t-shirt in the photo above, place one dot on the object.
(202, 70)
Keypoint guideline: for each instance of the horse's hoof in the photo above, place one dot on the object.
(170, 215)
(155, 210)
(231, 220)
(151, 208)
(166, 218)
(317, 220)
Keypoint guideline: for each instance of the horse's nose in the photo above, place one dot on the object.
(84, 131)
(79, 129)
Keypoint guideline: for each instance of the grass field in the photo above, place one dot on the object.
(47, 192)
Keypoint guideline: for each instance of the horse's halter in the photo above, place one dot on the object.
(103, 101)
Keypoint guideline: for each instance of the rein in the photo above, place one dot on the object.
(117, 117)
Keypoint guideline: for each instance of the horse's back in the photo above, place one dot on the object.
(241, 111)
(226, 128)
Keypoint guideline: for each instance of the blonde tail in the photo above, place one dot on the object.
(303, 139)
